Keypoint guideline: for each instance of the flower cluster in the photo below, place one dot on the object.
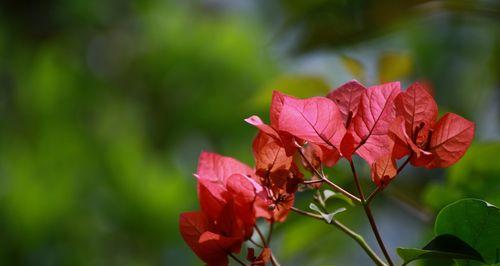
(381, 124)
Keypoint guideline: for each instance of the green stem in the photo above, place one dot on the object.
(261, 236)
(255, 243)
(274, 261)
(404, 163)
(355, 236)
(271, 226)
(237, 260)
(326, 180)
(369, 214)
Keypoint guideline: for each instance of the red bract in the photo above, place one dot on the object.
(276, 172)
(273, 150)
(383, 170)
(262, 259)
(347, 98)
(270, 156)
(211, 248)
(316, 120)
(214, 167)
(380, 124)
(415, 132)
(227, 196)
(367, 134)
(317, 155)
(285, 140)
(418, 109)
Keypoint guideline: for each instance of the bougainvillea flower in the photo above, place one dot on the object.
(262, 259)
(383, 170)
(276, 171)
(283, 138)
(227, 193)
(415, 132)
(277, 174)
(269, 155)
(213, 173)
(212, 248)
(317, 155)
(316, 120)
(367, 133)
(347, 98)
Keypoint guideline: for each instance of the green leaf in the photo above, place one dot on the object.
(474, 221)
(327, 216)
(441, 247)
(314, 207)
(327, 194)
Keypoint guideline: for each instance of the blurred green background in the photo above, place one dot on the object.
(106, 105)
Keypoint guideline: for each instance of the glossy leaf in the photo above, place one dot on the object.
(441, 247)
(474, 221)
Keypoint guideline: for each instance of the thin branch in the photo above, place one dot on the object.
(262, 238)
(326, 180)
(270, 233)
(356, 237)
(237, 260)
(306, 213)
(378, 189)
(274, 261)
(377, 234)
(356, 180)
(255, 243)
(372, 195)
(369, 214)
(405, 163)
(312, 181)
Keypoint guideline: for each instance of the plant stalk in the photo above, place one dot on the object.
(265, 242)
(326, 180)
(237, 260)
(369, 214)
(355, 236)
